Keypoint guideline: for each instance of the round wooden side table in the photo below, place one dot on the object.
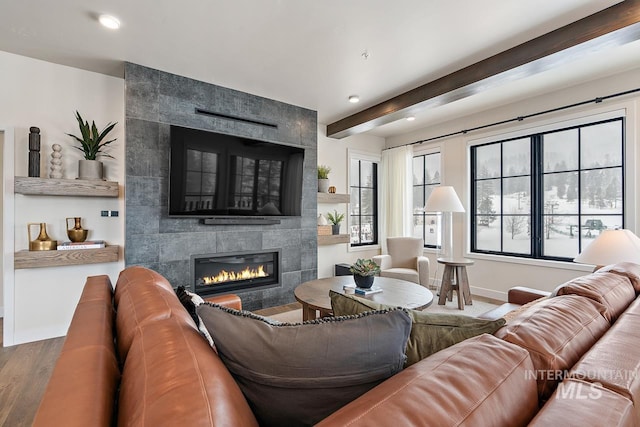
(455, 278)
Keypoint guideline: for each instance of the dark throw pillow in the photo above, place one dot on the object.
(190, 301)
(430, 332)
(298, 374)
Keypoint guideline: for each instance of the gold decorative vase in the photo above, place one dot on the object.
(42, 242)
(77, 233)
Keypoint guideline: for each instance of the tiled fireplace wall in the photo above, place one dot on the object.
(154, 101)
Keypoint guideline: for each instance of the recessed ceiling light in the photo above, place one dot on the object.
(354, 98)
(410, 118)
(109, 21)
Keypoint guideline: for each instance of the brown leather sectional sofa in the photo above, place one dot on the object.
(571, 359)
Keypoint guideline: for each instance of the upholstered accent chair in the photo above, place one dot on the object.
(405, 260)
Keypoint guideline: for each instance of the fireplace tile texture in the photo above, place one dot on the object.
(155, 100)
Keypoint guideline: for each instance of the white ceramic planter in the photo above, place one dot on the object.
(90, 169)
(323, 185)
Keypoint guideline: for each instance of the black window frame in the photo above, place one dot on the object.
(359, 215)
(424, 185)
(536, 174)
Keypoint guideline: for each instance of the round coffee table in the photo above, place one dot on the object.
(314, 295)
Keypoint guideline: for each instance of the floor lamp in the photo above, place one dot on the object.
(445, 200)
(611, 247)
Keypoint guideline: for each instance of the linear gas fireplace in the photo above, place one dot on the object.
(237, 271)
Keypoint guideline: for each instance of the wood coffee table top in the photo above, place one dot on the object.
(314, 295)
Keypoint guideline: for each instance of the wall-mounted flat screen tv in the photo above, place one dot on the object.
(217, 175)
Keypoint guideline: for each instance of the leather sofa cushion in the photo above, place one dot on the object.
(579, 403)
(430, 332)
(556, 332)
(613, 291)
(173, 378)
(614, 361)
(633, 309)
(146, 297)
(627, 269)
(482, 381)
(137, 274)
(297, 374)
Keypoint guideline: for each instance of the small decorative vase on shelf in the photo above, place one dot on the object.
(77, 233)
(364, 282)
(335, 229)
(43, 242)
(90, 170)
(323, 185)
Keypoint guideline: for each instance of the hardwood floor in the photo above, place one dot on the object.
(24, 372)
(279, 309)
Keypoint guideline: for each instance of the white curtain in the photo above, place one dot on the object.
(397, 194)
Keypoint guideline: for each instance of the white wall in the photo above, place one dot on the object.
(46, 95)
(492, 276)
(1, 234)
(333, 153)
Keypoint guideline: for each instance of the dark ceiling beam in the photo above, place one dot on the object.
(614, 26)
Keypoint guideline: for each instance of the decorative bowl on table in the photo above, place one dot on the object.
(364, 282)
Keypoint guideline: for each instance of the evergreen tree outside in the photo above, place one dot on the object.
(485, 200)
(572, 187)
(611, 192)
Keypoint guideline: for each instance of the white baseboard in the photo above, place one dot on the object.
(488, 293)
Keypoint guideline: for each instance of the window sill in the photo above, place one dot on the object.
(364, 248)
(561, 265)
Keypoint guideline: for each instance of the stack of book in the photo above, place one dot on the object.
(368, 291)
(87, 244)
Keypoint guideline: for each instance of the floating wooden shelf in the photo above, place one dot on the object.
(35, 259)
(334, 198)
(333, 239)
(65, 187)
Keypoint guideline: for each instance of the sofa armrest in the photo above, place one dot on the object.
(523, 295)
(226, 300)
(384, 261)
(85, 378)
(423, 270)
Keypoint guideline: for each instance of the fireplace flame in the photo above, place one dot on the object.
(230, 276)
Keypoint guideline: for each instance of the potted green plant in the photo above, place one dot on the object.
(364, 271)
(335, 219)
(91, 144)
(323, 178)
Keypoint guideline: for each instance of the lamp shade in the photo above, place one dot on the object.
(611, 247)
(443, 199)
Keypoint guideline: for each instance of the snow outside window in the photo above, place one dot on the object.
(550, 194)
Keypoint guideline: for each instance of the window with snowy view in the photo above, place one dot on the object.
(548, 195)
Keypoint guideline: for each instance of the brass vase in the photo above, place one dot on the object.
(42, 242)
(77, 233)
